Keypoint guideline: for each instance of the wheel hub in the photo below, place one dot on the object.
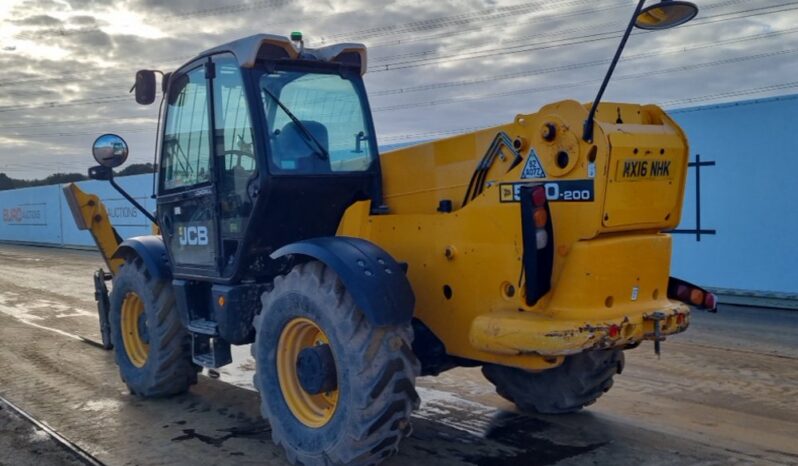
(306, 372)
(135, 336)
(315, 369)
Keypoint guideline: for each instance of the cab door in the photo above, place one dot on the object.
(235, 158)
(186, 201)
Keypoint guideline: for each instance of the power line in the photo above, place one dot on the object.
(560, 86)
(737, 93)
(589, 38)
(544, 45)
(574, 66)
(526, 73)
(559, 32)
(671, 103)
(375, 69)
(481, 15)
(249, 6)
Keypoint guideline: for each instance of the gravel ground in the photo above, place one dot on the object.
(23, 444)
(723, 393)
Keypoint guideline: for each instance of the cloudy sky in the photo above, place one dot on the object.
(436, 67)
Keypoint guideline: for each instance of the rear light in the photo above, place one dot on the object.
(614, 331)
(697, 297)
(693, 295)
(710, 301)
(541, 239)
(538, 242)
(683, 293)
(680, 318)
(541, 217)
(539, 196)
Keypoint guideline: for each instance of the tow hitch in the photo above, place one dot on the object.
(657, 317)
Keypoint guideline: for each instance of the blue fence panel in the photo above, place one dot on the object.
(31, 215)
(747, 197)
(126, 218)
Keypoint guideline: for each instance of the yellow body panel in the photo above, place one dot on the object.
(90, 214)
(611, 263)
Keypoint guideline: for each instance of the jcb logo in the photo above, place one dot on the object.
(193, 236)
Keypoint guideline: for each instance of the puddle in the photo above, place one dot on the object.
(257, 431)
(527, 449)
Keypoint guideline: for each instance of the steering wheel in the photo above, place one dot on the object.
(239, 153)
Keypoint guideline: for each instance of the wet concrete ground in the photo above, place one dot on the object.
(724, 393)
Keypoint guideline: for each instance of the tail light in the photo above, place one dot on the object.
(538, 242)
(693, 295)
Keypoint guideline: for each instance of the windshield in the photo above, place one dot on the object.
(317, 123)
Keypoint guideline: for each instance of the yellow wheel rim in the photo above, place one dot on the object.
(134, 330)
(312, 410)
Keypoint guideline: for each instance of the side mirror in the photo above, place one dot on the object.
(110, 150)
(145, 87)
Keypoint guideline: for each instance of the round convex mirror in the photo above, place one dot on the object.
(110, 150)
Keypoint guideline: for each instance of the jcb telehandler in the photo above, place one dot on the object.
(534, 249)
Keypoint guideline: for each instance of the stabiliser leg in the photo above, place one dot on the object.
(103, 306)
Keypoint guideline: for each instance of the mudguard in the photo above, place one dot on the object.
(152, 251)
(374, 279)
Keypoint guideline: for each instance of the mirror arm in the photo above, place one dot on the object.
(587, 136)
(132, 200)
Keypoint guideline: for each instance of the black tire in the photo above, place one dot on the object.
(578, 382)
(168, 369)
(376, 371)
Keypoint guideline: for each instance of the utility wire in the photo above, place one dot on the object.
(516, 92)
(560, 86)
(540, 46)
(544, 45)
(581, 65)
(666, 104)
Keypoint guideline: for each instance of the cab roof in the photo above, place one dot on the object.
(273, 47)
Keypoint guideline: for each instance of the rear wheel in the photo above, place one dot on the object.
(335, 389)
(152, 348)
(577, 383)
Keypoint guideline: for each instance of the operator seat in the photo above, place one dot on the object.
(294, 152)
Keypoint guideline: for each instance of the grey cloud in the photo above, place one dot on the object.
(92, 64)
(37, 20)
(82, 20)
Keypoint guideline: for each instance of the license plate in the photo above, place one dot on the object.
(642, 169)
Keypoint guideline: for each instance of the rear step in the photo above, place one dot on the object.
(209, 351)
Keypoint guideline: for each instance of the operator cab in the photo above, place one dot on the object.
(263, 143)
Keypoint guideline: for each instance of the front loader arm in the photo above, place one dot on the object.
(90, 214)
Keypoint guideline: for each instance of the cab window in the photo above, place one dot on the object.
(317, 123)
(185, 159)
(233, 145)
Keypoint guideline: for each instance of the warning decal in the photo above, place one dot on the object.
(533, 168)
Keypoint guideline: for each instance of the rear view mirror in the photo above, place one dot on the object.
(145, 87)
(110, 150)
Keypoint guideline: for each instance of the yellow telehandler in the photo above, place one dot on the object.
(536, 249)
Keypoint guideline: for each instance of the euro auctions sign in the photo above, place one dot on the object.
(25, 214)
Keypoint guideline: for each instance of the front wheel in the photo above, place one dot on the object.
(152, 348)
(334, 388)
(578, 382)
